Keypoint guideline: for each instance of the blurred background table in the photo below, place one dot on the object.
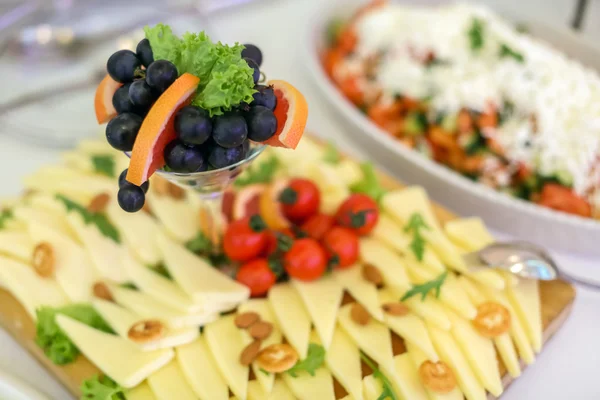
(566, 369)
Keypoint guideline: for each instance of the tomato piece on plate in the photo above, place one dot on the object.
(257, 275)
(245, 239)
(342, 245)
(300, 199)
(318, 225)
(306, 260)
(358, 212)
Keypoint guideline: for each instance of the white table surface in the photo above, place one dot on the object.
(568, 365)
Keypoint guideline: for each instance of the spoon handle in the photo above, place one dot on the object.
(583, 282)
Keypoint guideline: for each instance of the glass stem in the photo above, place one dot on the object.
(211, 220)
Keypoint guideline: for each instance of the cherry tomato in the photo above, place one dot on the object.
(300, 199)
(245, 239)
(317, 226)
(562, 198)
(306, 260)
(342, 244)
(358, 212)
(257, 275)
(279, 240)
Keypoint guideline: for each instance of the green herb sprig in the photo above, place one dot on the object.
(369, 184)
(475, 34)
(313, 361)
(101, 388)
(506, 51)
(260, 173)
(415, 224)
(104, 164)
(388, 391)
(98, 219)
(331, 155)
(427, 287)
(5, 215)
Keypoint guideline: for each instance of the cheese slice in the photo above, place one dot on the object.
(348, 171)
(73, 268)
(201, 371)
(451, 354)
(454, 297)
(280, 391)
(116, 357)
(410, 327)
(34, 216)
(307, 387)
(28, 287)
(386, 261)
(504, 343)
(525, 298)
(430, 309)
(138, 232)
(480, 353)
(372, 388)
(363, 291)
(197, 277)
(223, 340)
(148, 306)
(169, 383)
(262, 308)
(121, 320)
(164, 289)
(140, 392)
(322, 299)
(16, 245)
(177, 216)
(418, 357)
(343, 360)
(332, 199)
(411, 383)
(292, 317)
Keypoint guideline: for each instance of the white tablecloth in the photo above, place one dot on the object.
(569, 364)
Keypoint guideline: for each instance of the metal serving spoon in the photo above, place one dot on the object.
(526, 260)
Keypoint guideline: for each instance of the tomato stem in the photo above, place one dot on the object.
(359, 219)
(288, 196)
(257, 224)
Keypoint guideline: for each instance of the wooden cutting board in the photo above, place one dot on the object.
(556, 299)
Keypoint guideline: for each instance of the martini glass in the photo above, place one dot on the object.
(211, 186)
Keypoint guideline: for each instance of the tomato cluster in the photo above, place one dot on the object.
(313, 244)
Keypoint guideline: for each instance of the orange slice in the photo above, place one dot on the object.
(270, 207)
(158, 129)
(247, 201)
(291, 113)
(103, 100)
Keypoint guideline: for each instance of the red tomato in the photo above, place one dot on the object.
(562, 198)
(306, 260)
(342, 243)
(257, 275)
(279, 240)
(300, 199)
(358, 212)
(317, 226)
(245, 239)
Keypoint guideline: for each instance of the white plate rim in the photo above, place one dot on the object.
(16, 386)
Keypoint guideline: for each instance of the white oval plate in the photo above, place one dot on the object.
(550, 228)
(13, 388)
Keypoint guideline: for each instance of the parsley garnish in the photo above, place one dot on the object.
(264, 371)
(414, 226)
(475, 34)
(200, 244)
(104, 165)
(101, 388)
(313, 361)
(98, 219)
(369, 184)
(162, 270)
(5, 215)
(506, 51)
(426, 287)
(331, 154)
(260, 173)
(388, 391)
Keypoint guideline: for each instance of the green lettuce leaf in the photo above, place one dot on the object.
(101, 388)
(164, 43)
(198, 56)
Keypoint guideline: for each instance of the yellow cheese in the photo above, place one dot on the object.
(308, 151)
(223, 340)
(17, 245)
(386, 261)
(430, 309)
(348, 171)
(262, 308)
(292, 316)
(454, 297)
(201, 371)
(67, 181)
(451, 354)
(418, 357)
(280, 391)
(343, 360)
(73, 269)
(148, 306)
(332, 199)
(28, 287)
(503, 342)
(79, 161)
(140, 392)
(307, 387)
(197, 277)
(35, 216)
(322, 299)
(488, 277)
(410, 327)
(408, 375)
(168, 383)
(372, 388)
(480, 353)
(121, 320)
(163, 289)
(116, 357)
(138, 231)
(525, 298)
(177, 216)
(362, 290)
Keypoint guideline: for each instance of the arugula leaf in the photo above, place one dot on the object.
(369, 184)
(506, 51)
(475, 34)
(313, 361)
(388, 391)
(331, 155)
(101, 388)
(57, 346)
(426, 287)
(414, 226)
(98, 219)
(5, 215)
(262, 172)
(200, 244)
(162, 270)
(104, 165)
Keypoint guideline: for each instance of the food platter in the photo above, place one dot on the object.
(508, 214)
